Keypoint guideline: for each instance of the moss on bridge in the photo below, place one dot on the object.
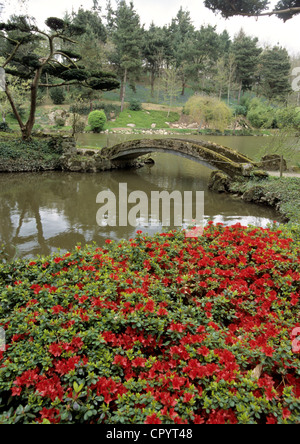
(214, 156)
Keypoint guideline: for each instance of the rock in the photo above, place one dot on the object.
(247, 169)
(55, 115)
(255, 194)
(272, 162)
(153, 125)
(131, 125)
(219, 182)
(260, 174)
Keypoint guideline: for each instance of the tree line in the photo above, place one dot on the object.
(103, 50)
(201, 58)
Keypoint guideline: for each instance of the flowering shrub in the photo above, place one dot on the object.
(156, 330)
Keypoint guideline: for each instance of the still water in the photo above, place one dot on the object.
(43, 212)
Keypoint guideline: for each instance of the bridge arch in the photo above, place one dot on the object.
(210, 154)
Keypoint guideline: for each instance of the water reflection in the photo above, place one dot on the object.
(43, 212)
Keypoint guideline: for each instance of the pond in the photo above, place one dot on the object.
(43, 212)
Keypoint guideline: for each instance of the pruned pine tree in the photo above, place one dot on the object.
(284, 9)
(62, 67)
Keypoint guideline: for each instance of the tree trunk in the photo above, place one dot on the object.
(239, 96)
(228, 93)
(183, 85)
(152, 80)
(15, 111)
(123, 90)
(26, 132)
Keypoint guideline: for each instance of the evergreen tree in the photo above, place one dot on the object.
(154, 52)
(274, 73)
(92, 19)
(246, 54)
(224, 43)
(126, 33)
(204, 53)
(181, 32)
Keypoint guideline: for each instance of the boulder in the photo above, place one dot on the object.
(219, 182)
(255, 194)
(272, 162)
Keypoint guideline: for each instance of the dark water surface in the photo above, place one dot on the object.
(43, 212)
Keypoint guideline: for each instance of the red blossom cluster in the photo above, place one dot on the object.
(163, 329)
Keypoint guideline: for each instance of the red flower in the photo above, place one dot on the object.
(50, 388)
(120, 360)
(286, 413)
(51, 414)
(153, 419)
(109, 389)
(187, 397)
(16, 391)
(162, 312)
(198, 419)
(57, 260)
(138, 362)
(57, 309)
(271, 420)
(55, 350)
(178, 382)
(150, 305)
(204, 351)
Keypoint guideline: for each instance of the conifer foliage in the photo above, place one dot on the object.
(55, 68)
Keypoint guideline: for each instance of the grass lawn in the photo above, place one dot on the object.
(144, 119)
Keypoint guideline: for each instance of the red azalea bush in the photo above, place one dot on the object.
(157, 330)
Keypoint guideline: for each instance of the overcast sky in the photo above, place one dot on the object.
(269, 30)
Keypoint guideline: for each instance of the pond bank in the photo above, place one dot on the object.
(280, 193)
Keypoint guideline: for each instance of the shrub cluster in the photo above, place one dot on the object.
(57, 95)
(208, 111)
(135, 105)
(263, 115)
(97, 120)
(155, 330)
(38, 154)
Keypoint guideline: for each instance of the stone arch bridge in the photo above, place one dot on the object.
(126, 154)
(212, 155)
